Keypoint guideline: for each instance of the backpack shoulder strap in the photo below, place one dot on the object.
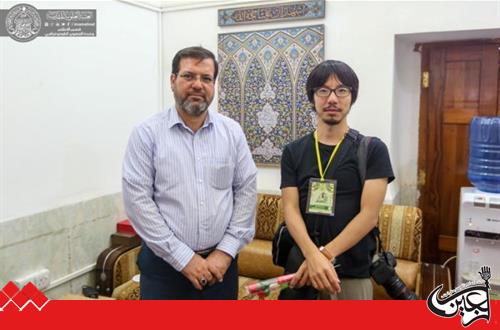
(364, 141)
(362, 154)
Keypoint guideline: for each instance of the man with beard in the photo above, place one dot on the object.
(189, 188)
(329, 211)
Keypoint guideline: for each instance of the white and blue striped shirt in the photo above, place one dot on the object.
(185, 191)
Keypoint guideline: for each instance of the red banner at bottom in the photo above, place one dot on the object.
(105, 314)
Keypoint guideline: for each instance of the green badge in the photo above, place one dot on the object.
(321, 197)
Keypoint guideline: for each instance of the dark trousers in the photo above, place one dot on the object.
(295, 259)
(160, 281)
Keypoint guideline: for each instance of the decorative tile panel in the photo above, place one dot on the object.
(262, 85)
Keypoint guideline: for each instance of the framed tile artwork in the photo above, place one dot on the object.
(262, 85)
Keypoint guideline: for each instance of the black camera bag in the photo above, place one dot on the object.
(282, 244)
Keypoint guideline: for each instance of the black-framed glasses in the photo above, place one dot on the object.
(340, 91)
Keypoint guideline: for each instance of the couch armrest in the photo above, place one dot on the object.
(125, 266)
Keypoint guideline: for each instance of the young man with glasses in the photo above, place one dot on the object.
(189, 188)
(329, 211)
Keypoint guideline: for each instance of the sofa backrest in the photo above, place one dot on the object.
(125, 266)
(269, 216)
(401, 231)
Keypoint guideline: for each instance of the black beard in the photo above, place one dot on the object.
(331, 122)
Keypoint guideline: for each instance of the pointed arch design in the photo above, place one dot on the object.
(262, 85)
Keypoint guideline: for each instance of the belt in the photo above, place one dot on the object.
(206, 252)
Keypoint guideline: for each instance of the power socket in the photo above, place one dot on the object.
(40, 278)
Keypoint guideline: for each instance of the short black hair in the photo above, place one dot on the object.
(194, 52)
(323, 71)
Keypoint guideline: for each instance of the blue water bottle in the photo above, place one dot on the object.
(484, 153)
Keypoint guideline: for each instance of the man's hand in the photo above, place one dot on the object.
(218, 263)
(319, 272)
(197, 271)
(301, 277)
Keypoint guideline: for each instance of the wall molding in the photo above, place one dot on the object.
(197, 4)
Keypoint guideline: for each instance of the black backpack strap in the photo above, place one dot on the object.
(376, 234)
(353, 134)
(363, 157)
(362, 153)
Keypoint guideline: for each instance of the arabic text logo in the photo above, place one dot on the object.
(471, 300)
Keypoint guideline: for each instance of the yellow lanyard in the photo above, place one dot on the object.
(320, 166)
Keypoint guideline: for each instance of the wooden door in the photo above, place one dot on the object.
(460, 80)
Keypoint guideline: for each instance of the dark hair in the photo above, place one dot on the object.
(323, 71)
(194, 52)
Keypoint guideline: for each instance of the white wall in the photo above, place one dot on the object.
(363, 34)
(69, 104)
(406, 101)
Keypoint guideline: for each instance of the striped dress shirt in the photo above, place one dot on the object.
(187, 191)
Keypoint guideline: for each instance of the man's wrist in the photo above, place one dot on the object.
(222, 253)
(328, 255)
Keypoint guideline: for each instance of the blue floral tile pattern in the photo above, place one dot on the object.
(262, 85)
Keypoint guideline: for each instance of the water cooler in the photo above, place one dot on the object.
(478, 236)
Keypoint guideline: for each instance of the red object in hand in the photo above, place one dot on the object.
(124, 226)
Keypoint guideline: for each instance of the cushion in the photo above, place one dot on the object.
(127, 291)
(255, 260)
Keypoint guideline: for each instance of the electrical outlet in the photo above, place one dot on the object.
(40, 278)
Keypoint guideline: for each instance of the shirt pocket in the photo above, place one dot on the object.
(220, 172)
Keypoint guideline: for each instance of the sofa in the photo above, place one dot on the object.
(400, 230)
(400, 227)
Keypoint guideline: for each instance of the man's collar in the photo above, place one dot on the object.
(174, 119)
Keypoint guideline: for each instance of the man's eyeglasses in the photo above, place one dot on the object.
(340, 91)
(193, 77)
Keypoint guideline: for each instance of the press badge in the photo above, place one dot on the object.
(321, 197)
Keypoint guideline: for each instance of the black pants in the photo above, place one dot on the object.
(295, 259)
(160, 281)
